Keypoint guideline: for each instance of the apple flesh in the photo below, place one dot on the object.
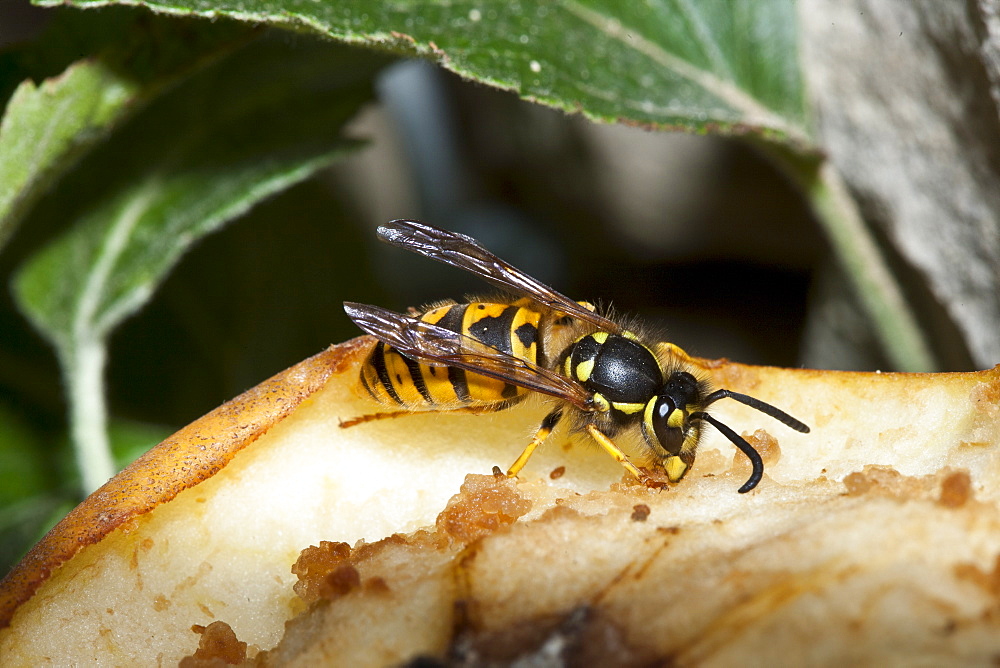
(207, 525)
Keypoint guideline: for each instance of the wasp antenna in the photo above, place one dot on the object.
(764, 407)
(755, 459)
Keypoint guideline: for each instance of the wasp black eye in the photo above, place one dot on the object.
(670, 438)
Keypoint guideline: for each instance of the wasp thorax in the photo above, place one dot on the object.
(621, 369)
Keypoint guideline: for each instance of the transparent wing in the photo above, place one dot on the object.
(437, 346)
(465, 253)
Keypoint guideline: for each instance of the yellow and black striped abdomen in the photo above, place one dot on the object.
(396, 380)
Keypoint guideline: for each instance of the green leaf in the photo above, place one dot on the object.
(42, 126)
(32, 498)
(24, 522)
(249, 127)
(46, 127)
(27, 485)
(720, 65)
(23, 469)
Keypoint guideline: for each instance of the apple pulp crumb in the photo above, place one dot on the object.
(484, 504)
(218, 646)
(320, 571)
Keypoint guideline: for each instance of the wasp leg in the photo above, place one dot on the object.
(548, 424)
(371, 417)
(613, 450)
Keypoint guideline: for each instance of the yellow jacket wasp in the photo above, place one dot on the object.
(487, 356)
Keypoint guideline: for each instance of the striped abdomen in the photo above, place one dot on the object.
(395, 380)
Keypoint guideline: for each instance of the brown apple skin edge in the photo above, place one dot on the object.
(192, 455)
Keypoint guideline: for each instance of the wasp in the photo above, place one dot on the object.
(486, 356)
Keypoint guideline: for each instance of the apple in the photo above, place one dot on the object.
(876, 536)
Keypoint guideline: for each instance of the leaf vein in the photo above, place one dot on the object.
(725, 91)
(111, 249)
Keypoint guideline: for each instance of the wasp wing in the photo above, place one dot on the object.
(430, 344)
(464, 252)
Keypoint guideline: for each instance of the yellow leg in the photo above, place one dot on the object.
(613, 450)
(548, 424)
(371, 417)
